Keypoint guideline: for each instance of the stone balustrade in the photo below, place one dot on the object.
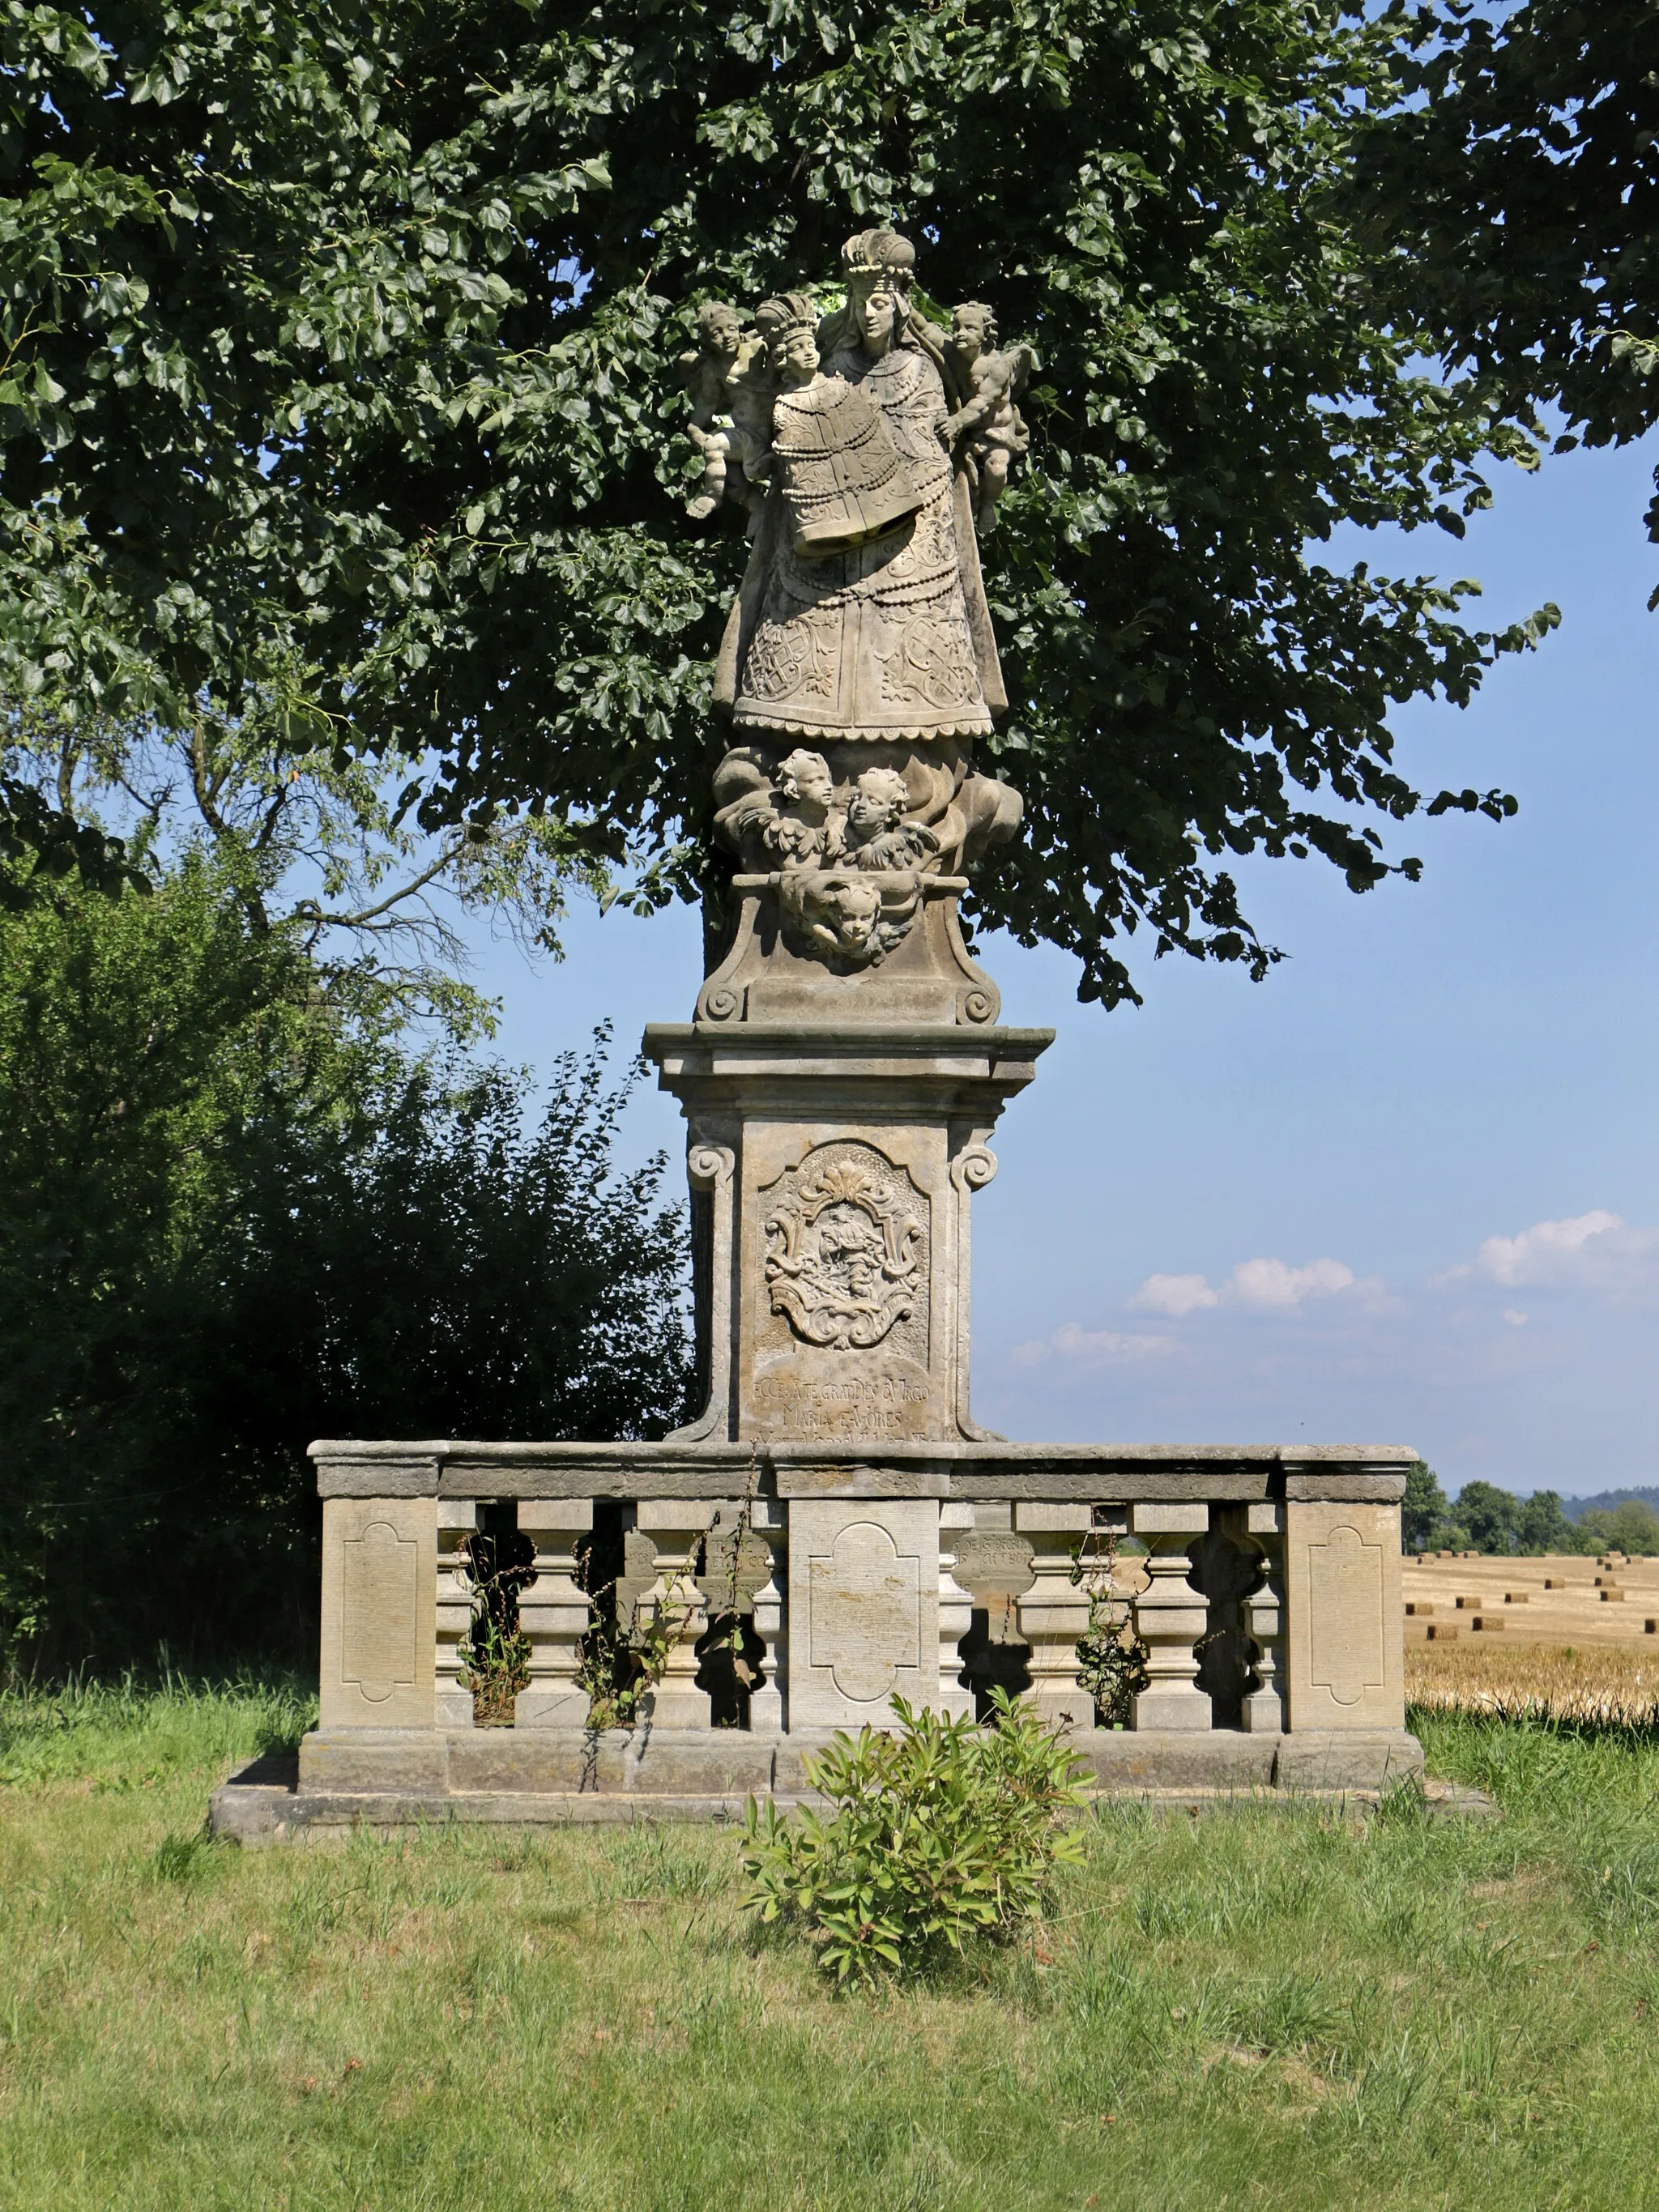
(1263, 1585)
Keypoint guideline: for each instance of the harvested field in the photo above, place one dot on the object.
(1524, 1680)
(1549, 1601)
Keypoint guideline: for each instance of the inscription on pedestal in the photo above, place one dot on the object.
(865, 1611)
(378, 1627)
(863, 1608)
(800, 1398)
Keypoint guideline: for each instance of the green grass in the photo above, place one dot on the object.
(1291, 2010)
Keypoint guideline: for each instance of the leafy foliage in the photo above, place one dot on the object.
(232, 1219)
(1490, 1520)
(624, 1660)
(1517, 180)
(39, 844)
(1111, 1657)
(336, 348)
(944, 1831)
(314, 844)
(1422, 1507)
(495, 1653)
(1632, 1527)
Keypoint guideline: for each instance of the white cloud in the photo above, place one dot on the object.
(1267, 1285)
(1173, 1294)
(1515, 1319)
(1271, 1283)
(1099, 1347)
(1597, 1251)
(1546, 1251)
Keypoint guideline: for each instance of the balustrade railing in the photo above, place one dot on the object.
(1258, 1591)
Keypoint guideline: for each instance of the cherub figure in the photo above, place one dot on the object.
(876, 836)
(800, 831)
(731, 406)
(987, 423)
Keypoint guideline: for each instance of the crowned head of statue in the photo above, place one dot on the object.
(879, 266)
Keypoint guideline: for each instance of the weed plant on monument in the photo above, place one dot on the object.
(684, 1621)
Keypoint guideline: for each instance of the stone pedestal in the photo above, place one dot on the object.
(832, 1170)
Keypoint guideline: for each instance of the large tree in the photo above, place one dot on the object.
(337, 347)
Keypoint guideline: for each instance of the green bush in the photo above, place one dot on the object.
(237, 1213)
(945, 1832)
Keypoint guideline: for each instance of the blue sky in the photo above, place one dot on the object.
(1407, 1189)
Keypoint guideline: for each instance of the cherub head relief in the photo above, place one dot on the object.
(802, 790)
(788, 326)
(719, 331)
(972, 330)
(804, 783)
(880, 798)
(877, 833)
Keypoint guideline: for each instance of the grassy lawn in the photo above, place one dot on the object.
(1257, 2008)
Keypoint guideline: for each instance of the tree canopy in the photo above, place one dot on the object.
(1516, 182)
(337, 346)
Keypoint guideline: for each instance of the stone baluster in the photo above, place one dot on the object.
(553, 1613)
(1054, 1613)
(769, 1701)
(675, 1529)
(1170, 1617)
(1263, 1615)
(457, 1520)
(956, 1614)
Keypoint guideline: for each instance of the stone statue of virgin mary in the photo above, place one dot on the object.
(858, 666)
(876, 628)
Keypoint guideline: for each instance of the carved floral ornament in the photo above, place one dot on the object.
(869, 448)
(847, 1247)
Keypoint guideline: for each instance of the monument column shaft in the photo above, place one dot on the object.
(833, 1169)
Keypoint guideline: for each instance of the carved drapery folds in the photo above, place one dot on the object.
(869, 447)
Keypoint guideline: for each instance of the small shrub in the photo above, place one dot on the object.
(495, 1653)
(625, 1654)
(1111, 1659)
(944, 1831)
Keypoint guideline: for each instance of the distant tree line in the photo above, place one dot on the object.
(1485, 1518)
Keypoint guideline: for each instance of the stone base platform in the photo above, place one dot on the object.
(545, 1776)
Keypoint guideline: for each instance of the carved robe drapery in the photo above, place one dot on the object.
(891, 639)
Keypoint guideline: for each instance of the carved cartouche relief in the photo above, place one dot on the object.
(847, 1252)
